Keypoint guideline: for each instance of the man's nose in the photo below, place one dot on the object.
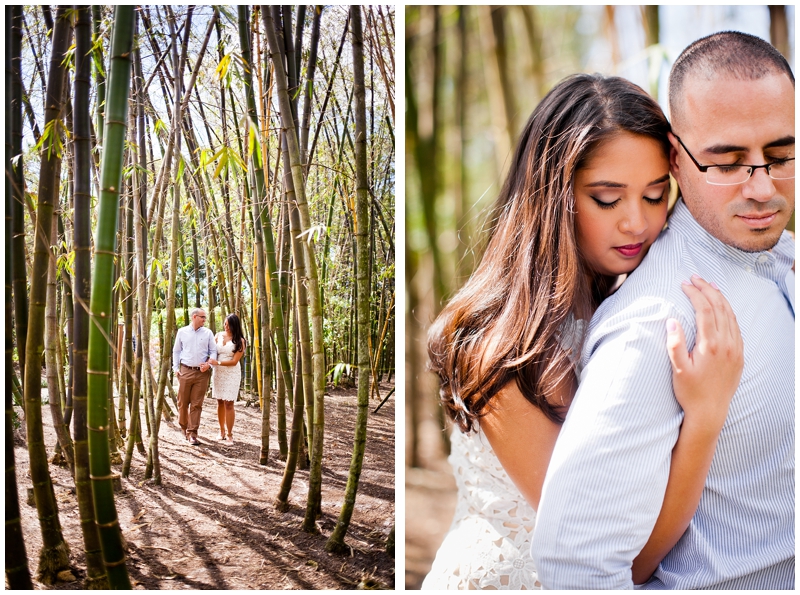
(759, 186)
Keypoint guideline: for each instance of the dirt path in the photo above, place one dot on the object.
(212, 523)
(430, 503)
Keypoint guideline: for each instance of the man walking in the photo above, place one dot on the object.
(732, 153)
(194, 345)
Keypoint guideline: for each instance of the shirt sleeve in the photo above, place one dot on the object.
(212, 346)
(176, 352)
(606, 480)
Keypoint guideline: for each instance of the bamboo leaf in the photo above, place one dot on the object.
(238, 162)
(223, 162)
(225, 11)
(64, 263)
(122, 283)
(313, 233)
(69, 58)
(338, 371)
(222, 68)
(181, 168)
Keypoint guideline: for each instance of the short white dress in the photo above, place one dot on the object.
(226, 380)
(489, 543)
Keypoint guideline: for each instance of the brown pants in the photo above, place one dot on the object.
(192, 388)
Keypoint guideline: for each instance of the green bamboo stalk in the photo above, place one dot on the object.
(101, 295)
(95, 573)
(17, 573)
(54, 555)
(336, 541)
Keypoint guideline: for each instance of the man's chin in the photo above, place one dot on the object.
(757, 240)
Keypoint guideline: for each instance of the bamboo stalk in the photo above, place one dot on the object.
(101, 296)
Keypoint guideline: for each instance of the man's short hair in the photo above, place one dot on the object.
(195, 311)
(729, 53)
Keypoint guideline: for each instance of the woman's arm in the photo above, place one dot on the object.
(704, 383)
(237, 355)
(523, 437)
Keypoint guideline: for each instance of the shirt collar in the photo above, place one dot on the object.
(774, 264)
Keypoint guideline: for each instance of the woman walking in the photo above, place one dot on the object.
(227, 374)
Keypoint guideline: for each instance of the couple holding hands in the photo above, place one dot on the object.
(195, 352)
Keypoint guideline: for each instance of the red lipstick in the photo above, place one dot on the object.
(630, 250)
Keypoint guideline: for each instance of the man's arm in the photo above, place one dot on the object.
(176, 352)
(212, 346)
(606, 480)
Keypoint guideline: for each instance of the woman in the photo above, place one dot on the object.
(227, 374)
(585, 197)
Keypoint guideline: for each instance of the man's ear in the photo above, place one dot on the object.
(673, 154)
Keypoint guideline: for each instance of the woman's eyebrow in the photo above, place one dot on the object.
(663, 178)
(609, 184)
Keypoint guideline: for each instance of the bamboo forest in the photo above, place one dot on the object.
(200, 297)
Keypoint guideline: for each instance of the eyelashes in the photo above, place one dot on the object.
(605, 205)
(611, 205)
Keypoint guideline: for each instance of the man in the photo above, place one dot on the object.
(731, 104)
(194, 346)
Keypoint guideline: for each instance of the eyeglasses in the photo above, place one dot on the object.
(731, 175)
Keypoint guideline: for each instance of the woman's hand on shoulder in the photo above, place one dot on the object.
(706, 379)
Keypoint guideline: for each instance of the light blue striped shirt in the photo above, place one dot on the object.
(606, 480)
(193, 347)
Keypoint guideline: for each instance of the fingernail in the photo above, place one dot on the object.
(695, 277)
(672, 326)
(714, 285)
(685, 282)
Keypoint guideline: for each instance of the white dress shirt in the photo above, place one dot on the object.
(193, 347)
(606, 480)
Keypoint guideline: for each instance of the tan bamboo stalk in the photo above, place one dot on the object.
(51, 332)
(336, 541)
(298, 178)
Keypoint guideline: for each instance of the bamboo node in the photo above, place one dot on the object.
(104, 478)
(117, 563)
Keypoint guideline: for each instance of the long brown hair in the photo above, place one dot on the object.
(504, 323)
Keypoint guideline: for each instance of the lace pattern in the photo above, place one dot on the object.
(226, 380)
(488, 545)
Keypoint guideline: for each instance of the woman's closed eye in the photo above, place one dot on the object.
(605, 205)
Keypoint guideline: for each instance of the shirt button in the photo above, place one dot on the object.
(749, 269)
(763, 258)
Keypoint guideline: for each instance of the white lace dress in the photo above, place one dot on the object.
(226, 379)
(488, 545)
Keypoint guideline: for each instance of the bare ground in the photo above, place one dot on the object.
(430, 504)
(212, 524)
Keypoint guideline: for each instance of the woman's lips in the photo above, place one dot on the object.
(758, 220)
(630, 250)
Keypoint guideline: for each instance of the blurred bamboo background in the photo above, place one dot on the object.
(473, 75)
